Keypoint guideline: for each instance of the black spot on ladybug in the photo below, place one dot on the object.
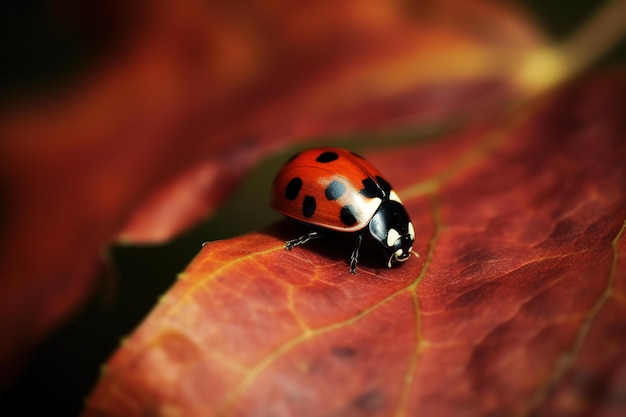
(335, 190)
(347, 215)
(308, 206)
(293, 157)
(293, 188)
(371, 189)
(325, 157)
(384, 185)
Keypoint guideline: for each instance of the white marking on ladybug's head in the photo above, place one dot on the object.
(392, 236)
(394, 197)
(411, 231)
(367, 207)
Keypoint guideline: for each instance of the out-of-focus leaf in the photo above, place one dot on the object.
(515, 307)
(157, 135)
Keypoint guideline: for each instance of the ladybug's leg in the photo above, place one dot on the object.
(354, 258)
(314, 234)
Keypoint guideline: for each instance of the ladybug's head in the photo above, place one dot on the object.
(393, 229)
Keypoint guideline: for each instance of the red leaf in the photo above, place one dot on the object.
(515, 307)
(159, 133)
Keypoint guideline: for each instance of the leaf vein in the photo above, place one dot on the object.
(261, 366)
(565, 361)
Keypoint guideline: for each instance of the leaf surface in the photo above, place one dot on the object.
(514, 307)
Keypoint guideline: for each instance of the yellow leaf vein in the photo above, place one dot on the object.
(566, 360)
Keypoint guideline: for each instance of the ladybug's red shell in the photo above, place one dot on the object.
(331, 188)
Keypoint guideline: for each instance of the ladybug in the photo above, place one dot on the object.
(335, 189)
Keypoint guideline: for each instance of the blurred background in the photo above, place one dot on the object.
(46, 45)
